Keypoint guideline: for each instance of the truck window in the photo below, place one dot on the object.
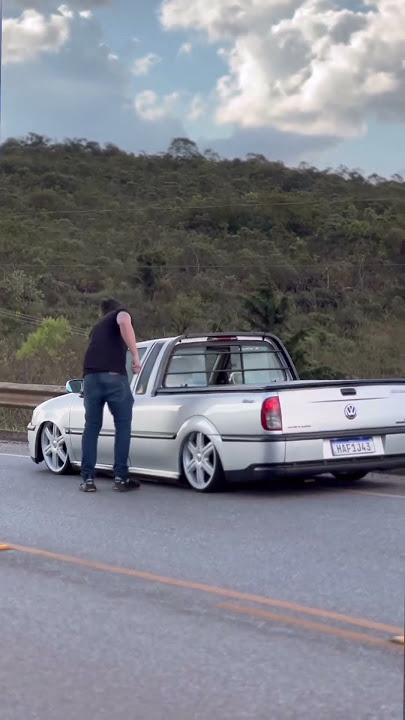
(206, 365)
(141, 353)
(257, 366)
(146, 372)
(187, 368)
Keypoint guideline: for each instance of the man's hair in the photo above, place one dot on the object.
(110, 305)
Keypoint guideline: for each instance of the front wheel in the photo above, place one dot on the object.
(200, 464)
(350, 476)
(54, 449)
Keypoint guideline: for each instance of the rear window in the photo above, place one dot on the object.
(206, 365)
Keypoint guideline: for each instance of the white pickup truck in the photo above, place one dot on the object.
(215, 408)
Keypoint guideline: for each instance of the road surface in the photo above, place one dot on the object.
(163, 604)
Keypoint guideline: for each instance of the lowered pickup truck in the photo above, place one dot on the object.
(215, 408)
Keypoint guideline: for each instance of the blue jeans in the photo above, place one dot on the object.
(99, 389)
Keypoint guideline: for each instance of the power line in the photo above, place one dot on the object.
(260, 264)
(35, 321)
(216, 206)
(19, 314)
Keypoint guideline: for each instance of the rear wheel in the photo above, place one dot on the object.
(200, 464)
(350, 476)
(54, 449)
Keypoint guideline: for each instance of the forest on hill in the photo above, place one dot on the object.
(193, 242)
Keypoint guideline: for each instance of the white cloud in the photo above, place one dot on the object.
(27, 36)
(197, 108)
(80, 92)
(85, 14)
(224, 18)
(143, 65)
(185, 49)
(310, 67)
(150, 107)
(66, 11)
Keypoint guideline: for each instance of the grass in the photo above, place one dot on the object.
(15, 419)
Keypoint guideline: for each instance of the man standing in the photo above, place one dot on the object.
(106, 381)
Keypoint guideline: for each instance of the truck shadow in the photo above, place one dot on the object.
(375, 483)
(314, 486)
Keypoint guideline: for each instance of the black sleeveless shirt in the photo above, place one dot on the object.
(107, 350)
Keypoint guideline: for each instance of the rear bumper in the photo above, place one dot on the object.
(322, 467)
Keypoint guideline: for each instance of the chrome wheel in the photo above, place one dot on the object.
(201, 465)
(54, 449)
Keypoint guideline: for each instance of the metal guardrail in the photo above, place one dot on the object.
(28, 396)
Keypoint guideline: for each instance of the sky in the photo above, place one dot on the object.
(316, 81)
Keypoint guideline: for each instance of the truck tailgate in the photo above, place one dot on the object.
(337, 408)
(341, 422)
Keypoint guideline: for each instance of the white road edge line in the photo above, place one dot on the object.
(377, 494)
(14, 455)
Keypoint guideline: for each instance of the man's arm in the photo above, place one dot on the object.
(128, 335)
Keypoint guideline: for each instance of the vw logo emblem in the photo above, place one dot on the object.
(350, 412)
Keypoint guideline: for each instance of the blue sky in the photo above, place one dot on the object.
(320, 81)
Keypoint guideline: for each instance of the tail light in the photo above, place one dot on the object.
(271, 414)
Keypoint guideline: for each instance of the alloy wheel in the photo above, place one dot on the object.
(200, 462)
(54, 449)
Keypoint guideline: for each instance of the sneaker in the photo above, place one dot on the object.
(121, 485)
(88, 485)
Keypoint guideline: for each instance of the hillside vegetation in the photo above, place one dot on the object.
(192, 242)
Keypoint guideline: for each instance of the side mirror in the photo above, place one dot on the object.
(74, 386)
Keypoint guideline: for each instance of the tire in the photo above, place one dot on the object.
(350, 476)
(54, 450)
(200, 464)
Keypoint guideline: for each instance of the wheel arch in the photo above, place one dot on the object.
(39, 455)
(62, 422)
(198, 423)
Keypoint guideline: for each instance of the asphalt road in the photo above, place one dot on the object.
(150, 614)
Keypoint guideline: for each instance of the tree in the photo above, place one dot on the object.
(18, 290)
(183, 148)
(266, 309)
(150, 271)
(187, 312)
(47, 340)
(307, 368)
(257, 157)
(211, 155)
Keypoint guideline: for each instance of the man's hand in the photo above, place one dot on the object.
(136, 367)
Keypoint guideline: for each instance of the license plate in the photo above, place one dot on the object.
(360, 446)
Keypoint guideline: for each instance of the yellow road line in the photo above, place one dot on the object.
(306, 624)
(212, 590)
